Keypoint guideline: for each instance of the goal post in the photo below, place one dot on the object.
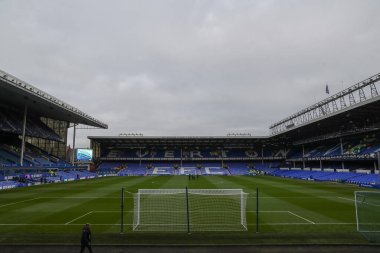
(367, 206)
(190, 210)
(159, 210)
(122, 211)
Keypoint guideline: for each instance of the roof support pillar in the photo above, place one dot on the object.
(374, 92)
(303, 156)
(221, 153)
(73, 150)
(378, 162)
(23, 135)
(181, 158)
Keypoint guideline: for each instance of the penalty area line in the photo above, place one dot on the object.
(370, 204)
(67, 223)
(14, 203)
(299, 216)
(346, 199)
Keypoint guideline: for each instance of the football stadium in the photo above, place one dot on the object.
(314, 181)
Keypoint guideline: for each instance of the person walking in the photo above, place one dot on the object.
(86, 238)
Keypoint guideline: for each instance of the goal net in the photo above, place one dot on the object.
(190, 210)
(367, 205)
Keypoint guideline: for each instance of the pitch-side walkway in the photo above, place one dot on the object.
(197, 249)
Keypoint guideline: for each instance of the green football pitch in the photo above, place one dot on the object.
(290, 211)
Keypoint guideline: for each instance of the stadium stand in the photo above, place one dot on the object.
(33, 156)
(188, 171)
(39, 155)
(8, 185)
(362, 179)
(285, 162)
(11, 122)
(238, 169)
(130, 153)
(360, 147)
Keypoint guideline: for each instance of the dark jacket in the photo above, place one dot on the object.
(86, 236)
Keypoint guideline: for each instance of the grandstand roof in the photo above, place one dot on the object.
(349, 112)
(360, 118)
(17, 93)
(365, 92)
(140, 141)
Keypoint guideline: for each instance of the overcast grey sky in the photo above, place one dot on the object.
(176, 67)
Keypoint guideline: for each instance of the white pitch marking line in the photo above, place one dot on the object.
(105, 211)
(67, 223)
(336, 223)
(347, 199)
(363, 202)
(104, 224)
(301, 217)
(110, 211)
(14, 203)
(80, 197)
(291, 197)
(304, 223)
(284, 197)
(72, 224)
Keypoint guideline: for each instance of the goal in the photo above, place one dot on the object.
(190, 210)
(367, 204)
